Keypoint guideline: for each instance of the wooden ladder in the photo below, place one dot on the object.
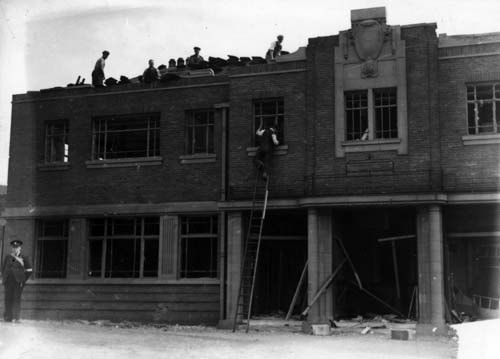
(251, 254)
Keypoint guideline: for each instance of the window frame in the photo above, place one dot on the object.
(105, 269)
(42, 238)
(212, 236)
(190, 134)
(49, 149)
(494, 100)
(259, 117)
(152, 128)
(372, 131)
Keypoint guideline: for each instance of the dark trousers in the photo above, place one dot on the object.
(263, 160)
(13, 290)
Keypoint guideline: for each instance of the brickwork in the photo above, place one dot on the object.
(437, 158)
(465, 168)
(170, 181)
(288, 170)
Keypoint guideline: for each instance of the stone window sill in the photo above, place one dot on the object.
(138, 281)
(54, 166)
(125, 162)
(484, 139)
(198, 158)
(278, 151)
(372, 145)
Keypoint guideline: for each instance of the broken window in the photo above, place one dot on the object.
(356, 114)
(483, 108)
(56, 141)
(200, 132)
(371, 114)
(52, 248)
(199, 237)
(128, 136)
(270, 113)
(124, 247)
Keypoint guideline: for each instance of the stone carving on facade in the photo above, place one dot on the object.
(368, 37)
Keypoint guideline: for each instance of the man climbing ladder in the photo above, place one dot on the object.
(264, 156)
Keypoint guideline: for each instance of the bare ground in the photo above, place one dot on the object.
(53, 339)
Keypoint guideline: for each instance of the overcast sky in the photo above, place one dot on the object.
(47, 43)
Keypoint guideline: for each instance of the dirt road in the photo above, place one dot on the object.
(51, 339)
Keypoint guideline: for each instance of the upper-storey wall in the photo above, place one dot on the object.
(284, 83)
(407, 162)
(169, 177)
(470, 157)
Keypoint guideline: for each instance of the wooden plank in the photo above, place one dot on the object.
(396, 270)
(297, 290)
(124, 297)
(142, 289)
(325, 285)
(118, 306)
(472, 234)
(387, 239)
(341, 244)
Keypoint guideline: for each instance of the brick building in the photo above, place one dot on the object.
(133, 200)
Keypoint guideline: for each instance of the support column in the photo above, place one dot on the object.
(234, 252)
(430, 270)
(169, 237)
(77, 248)
(312, 270)
(319, 240)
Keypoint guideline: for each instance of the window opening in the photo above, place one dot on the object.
(483, 108)
(56, 141)
(126, 137)
(270, 113)
(200, 132)
(199, 237)
(124, 247)
(52, 248)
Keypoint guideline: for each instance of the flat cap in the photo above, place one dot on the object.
(16, 243)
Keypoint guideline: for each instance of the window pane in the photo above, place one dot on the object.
(54, 228)
(199, 132)
(356, 114)
(199, 257)
(199, 225)
(385, 113)
(497, 114)
(471, 118)
(122, 258)
(484, 92)
(97, 227)
(470, 92)
(56, 141)
(151, 258)
(52, 256)
(95, 257)
(151, 226)
(485, 113)
(199, 246)
(123, 226)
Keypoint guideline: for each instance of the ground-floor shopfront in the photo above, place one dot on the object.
(417, 257)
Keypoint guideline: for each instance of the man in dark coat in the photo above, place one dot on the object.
(16, 270)
(151, 73)
(264, 155)
(196, 61)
